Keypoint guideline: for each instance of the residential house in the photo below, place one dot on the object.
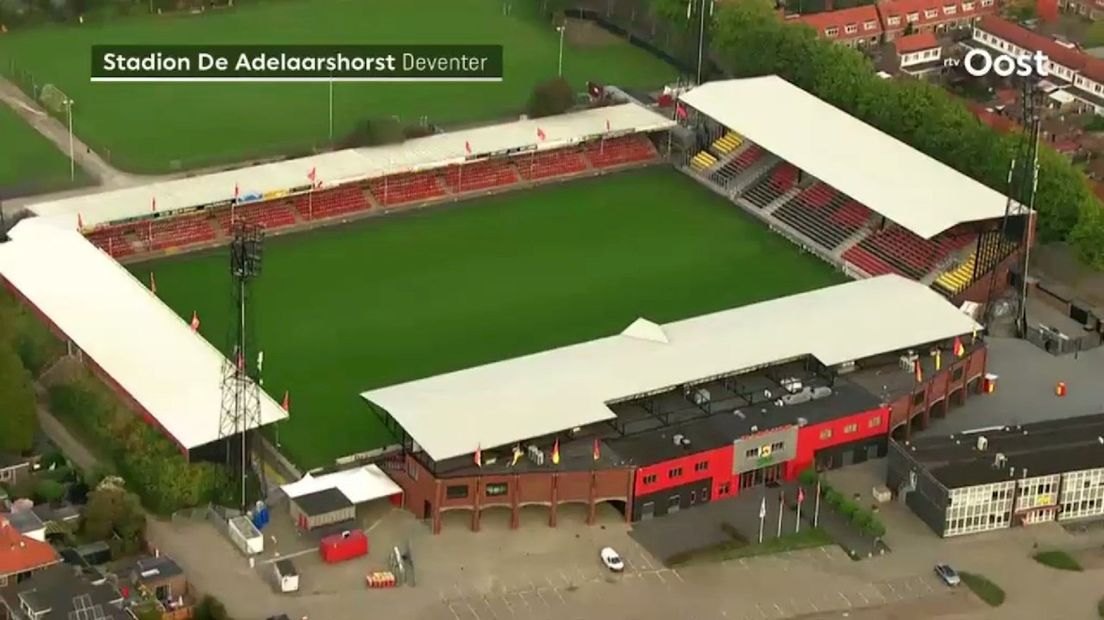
(903, 17)
(161, 578)
(27, 523)
(1070, 69)
(855, 27)
(61, 592)
(1090, 9)
(918, 54)
(21, 556)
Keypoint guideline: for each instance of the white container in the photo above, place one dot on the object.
(285, 576)
(245, 535)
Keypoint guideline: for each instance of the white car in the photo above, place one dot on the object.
(947, 574)
(612, 560)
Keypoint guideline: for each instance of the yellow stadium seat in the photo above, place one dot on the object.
(702, 160)
(956, 279)
(727, 143)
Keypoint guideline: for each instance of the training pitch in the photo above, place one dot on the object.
(391, 299)
(154, 128)
(28, 161)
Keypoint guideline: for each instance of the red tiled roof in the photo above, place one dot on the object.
(916, 42)
(1077, 60)
(855, 16)
(19, 553)
(902, 8)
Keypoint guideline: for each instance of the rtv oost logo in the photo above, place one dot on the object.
(981, 62)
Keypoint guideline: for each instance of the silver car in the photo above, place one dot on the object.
(947, 574)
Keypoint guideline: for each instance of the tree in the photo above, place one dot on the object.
(550, 98)
(49, 491)
(1087, 237)
(18, 421)
(671, 11)
(113, 510)
(210, 608)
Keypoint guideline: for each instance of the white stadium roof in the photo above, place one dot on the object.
(359, 485)
(505, 402)
(354, 164)
(172, 372)
(883, 173)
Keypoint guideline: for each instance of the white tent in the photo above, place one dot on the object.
(359, 485)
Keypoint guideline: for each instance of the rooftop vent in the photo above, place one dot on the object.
(982, 443)
(999, 460)
(678, 439)
(802, 421)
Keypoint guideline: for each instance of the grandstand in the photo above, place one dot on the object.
(859, 199)
(724, 385)
(196, 212)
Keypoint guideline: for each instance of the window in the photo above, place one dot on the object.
(831, 32)
(675, 473)
(967, 6)
(650, 479)
(412, 469)
(673, 501)
(950, 9)
(931, 14)
(723, 489)
(918, 398)
(986, 3)
(870, 25)
(497, 490)
(701, 466)
(826, 433)
(913, 17)
(850, 428)
(851, 28)
(874, 422)
(956, 375)
(777, 446)
(894, 21)
(752, 454)
(456, 491)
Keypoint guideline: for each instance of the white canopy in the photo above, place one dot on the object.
(351, 165)
(151, 353)
(359, 485)
(888, 176)
(506, 402)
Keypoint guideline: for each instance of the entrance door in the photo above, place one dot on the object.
(647, 511)
(427, 510)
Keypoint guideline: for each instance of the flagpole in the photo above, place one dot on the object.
(797, 524)
(762, 516)
(816, 504)
(781, 502)
(331, 107)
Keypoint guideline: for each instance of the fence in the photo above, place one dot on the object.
(1057, 343)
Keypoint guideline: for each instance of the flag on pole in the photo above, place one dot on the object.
(467, 147)
(260, 361)
(241, 362)
(763, 508)
(973, 335)
(153, 284)
(556, 452)
(517, 455)
(680, 111)
(816, 504)
(800, 495)
(541, 134)
(938, 355)
(237, 192)
(689, 8)
(286, 405)
(597, 450)
(195, 321)
(478, 456)
(916, 370)
(80, 222)
(607, 125)
(958, 349)
(153, 204)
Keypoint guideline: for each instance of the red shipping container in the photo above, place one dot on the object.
(344, 546)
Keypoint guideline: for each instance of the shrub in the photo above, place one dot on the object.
(833, 498)
(49, 491)
(861, 519)
(986, 590)
(1057, 559)
(848, 507)
(808, 477)
(550, 98)
(210, 608)
(875, 527)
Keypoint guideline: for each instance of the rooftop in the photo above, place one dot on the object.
(914, 190)
(903, 8)
(19, 553)
(1071, 58)
(358, 485)
(503, 403)
(916, 42)
(60, 593)
(858, 16)
(322, 502)
(124, 328)
(352, 165)
(1037, 449)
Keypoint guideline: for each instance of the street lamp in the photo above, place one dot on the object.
(72, 161)
(559, 70)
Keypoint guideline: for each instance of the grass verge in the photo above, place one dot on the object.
(739, 548)
(1057, 559)
(986, 590)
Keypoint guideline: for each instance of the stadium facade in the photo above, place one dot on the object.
(661, 418)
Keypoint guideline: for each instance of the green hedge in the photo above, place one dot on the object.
(986, 590)
(151, 465)
(1057, 559)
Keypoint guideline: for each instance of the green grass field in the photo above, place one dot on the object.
(158, 127)
(387, 300)
(29, 161)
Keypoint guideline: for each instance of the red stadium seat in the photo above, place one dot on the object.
(550, 164)
(406, 188)
(619, 151)
(269, 215)
(480, 175)
(331, 202)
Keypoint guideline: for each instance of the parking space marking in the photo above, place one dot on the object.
(454, 614)
(490, 608)
(567, 582)
(845, 600)
(778, 608)
(677, 575)
(761, 612)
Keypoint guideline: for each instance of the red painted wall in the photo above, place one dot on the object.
(718, 466)
(870, 424)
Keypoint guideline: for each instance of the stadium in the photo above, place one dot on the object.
(630, 303)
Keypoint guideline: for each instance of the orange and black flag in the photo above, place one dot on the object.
(958, 349)
(938, 355)
(597, 450)
(556, 453)
(478, 456)
(919, 373)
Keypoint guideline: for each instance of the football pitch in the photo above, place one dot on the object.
(158, 127)
(391, 299)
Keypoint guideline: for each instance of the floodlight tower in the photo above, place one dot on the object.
(241, 394)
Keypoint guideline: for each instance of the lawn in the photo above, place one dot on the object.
(160, 127)
(391, 299)
(1057, 559)
(29, 163)
(737, 547)
(986, 590)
